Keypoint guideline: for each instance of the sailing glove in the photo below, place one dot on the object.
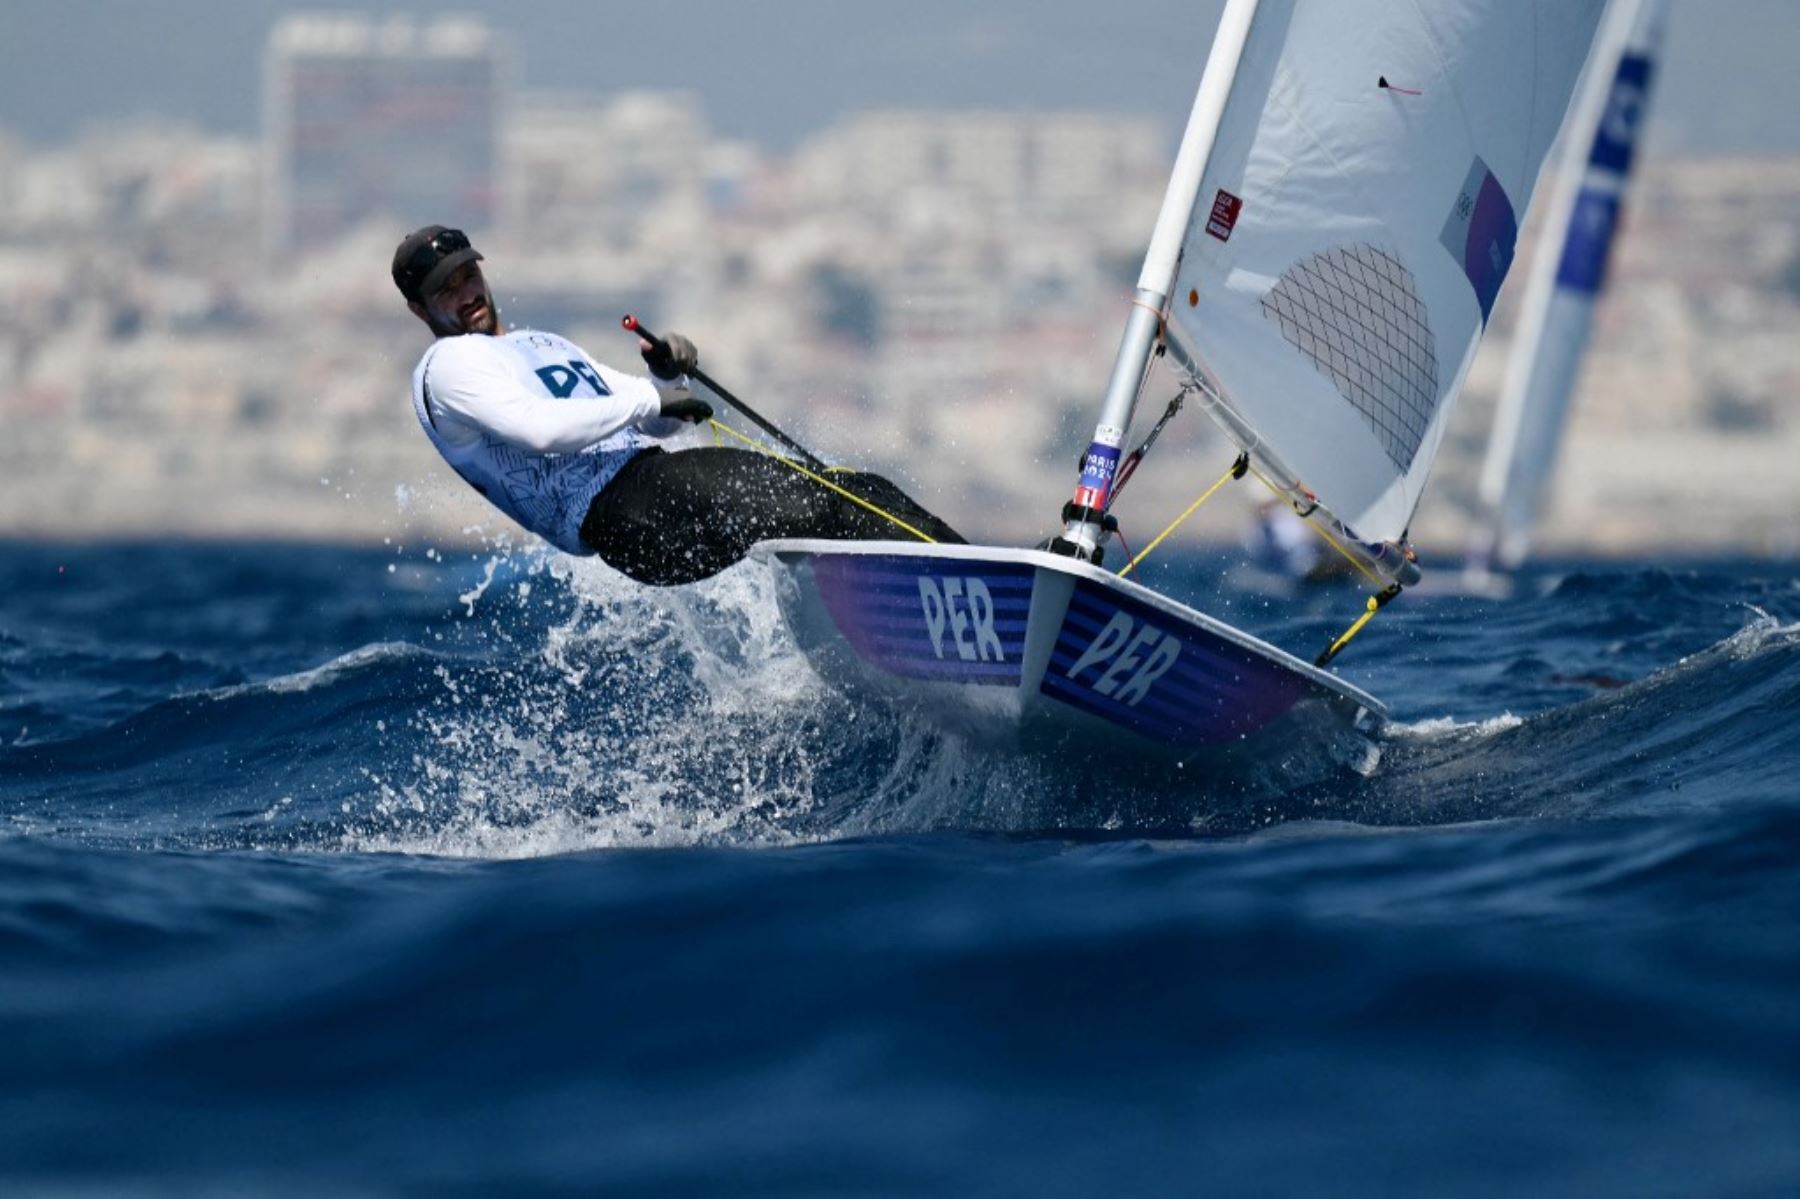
(671, 358)
(680, 405)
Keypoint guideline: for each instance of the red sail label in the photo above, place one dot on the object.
(1224, 215)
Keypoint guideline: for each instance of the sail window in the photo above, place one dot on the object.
(1355, 312)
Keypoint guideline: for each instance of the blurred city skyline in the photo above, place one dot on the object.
(1728, 85)
(921, 272)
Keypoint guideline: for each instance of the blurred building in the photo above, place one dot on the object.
(935, 295)
(990, 166)
(589, 169)
(393, 122)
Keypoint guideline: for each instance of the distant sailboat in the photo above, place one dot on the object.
(1340, 217)
(1282, 552)
(1567, 277)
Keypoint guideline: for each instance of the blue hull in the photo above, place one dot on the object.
(1011, 643)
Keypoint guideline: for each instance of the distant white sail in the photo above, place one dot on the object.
(1354, 222)
(1568, 272)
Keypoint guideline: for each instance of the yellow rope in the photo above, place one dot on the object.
(719, 427)
(1374, 606)
(1376, 602)
(1316, 527)
(1194, 507)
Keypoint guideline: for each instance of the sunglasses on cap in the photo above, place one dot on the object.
(429, 262)
(446, 243)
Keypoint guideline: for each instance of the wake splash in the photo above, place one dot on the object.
(689, 717)
(555, 707)
(655, 718)
(611, 732)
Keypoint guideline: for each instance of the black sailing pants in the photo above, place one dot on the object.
(674, 518)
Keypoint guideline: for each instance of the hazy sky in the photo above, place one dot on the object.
(775, 70)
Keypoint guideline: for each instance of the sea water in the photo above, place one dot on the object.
(351, 871)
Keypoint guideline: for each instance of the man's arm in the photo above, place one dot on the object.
(468, 379)
(679, 406)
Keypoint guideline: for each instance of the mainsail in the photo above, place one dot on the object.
(1568, 272)
(1356, 215)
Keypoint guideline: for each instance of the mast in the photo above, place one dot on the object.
(1082, 532)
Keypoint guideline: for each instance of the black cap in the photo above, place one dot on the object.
(427, 256)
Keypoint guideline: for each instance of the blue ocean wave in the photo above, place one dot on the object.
(1212, 1005)
(505, 874)
(628, 717)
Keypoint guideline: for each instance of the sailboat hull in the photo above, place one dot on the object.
(1030, 648)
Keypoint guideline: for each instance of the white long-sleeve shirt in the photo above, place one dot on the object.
(534, 424)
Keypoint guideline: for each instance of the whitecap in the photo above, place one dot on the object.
(364, 656)
(1438, 728)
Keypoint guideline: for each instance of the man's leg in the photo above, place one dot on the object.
(885, 495)
(674, 518)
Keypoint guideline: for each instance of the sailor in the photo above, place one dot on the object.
(570, 448)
